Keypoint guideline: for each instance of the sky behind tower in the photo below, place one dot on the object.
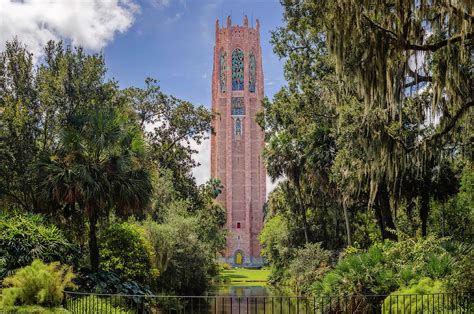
(173, 42)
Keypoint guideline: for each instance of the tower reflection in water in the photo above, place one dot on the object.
(255, 299)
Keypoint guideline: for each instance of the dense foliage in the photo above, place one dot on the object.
(27, 237)
(371, 140)
(89, 156)
(126, 251)
(37, 284)
(187, 249)
(398, 267)
(303, 273)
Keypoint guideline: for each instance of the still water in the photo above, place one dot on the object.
(257, 299)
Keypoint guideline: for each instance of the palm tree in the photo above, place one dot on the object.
(285, 156)
(99, 167)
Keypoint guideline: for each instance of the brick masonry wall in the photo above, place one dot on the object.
(236, 160)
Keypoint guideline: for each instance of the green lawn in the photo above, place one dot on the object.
(244, 275)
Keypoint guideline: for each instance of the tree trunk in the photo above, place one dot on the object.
(387, 226)
(348, 227)
(93, 248)
(410, 207)
(302, 208)
(424, 209)
(305, 224)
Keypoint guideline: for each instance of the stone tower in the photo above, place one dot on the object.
(237, 141)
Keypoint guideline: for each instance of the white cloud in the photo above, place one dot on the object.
(272, 185)
(203, 172)
(88, 23)
(173, 18)
(161, 4)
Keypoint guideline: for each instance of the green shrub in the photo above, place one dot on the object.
(225, 266)
(125, 251)
(161, 238)
(26, 237)
(309, 264)
(384, 268)
(455, 216)
(461, 274)
(276, 247)
(105, 282)
(192, 264)
(360, 273)
(413, 299)
(38, 284)
(93, 304)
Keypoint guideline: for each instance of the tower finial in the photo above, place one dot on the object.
(257, 25)
(229, 21)
(217, 27)
(246, 21)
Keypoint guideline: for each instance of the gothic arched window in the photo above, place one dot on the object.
(237, 108)
(237, 69)
(223, 71)
(252, 76)
(238, 128)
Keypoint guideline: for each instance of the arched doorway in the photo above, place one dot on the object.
(239, 257)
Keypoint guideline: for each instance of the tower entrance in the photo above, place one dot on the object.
(239, 258)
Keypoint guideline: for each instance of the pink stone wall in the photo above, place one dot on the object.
(236, 160)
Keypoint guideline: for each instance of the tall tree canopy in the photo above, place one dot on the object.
(76, 146)
(402, 93)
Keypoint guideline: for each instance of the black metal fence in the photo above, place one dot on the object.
(77, 302)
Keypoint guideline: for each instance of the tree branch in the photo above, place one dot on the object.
(383, 29)
(460, 11)
(418, 81)
(409, 46)
(417, 78)
(439, 44)
(453, 121)
(451, 124)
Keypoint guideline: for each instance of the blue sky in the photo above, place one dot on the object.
(173, 42)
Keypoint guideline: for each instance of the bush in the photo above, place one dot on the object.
(38, 284)
(27, 237)
(455, 217)
(402, 301)
(461, 274)
(105, 282)
(161, 238)
(309, 264)
(386, 267)
(276, 247)
(93, 304)
(125, 251)
(358, 274)
(225, 266)
(192, 264)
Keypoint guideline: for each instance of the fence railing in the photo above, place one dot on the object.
(77, 302)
